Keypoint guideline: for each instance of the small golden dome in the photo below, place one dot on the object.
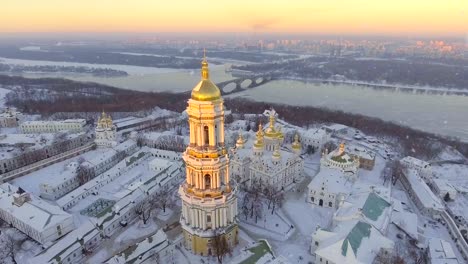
(205, 90)
(296, 144)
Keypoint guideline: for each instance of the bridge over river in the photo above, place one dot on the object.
(242, 83)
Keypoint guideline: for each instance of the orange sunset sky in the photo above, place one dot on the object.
(395, 17)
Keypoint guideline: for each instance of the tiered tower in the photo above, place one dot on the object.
(209, 205)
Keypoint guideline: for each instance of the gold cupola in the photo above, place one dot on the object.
(240, 140)
(296, 145)
(205, 90)
(259, 141)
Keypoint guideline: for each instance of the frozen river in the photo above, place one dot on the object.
(441, 114)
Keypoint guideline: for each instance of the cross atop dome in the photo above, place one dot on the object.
(205, 90)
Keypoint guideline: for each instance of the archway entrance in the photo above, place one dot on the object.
(320, 202)
(207, 181)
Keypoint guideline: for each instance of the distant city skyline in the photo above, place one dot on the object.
(337, 17)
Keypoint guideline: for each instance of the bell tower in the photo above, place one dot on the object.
(209, 204)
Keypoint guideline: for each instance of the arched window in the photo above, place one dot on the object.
(206, 135)
(207, 181)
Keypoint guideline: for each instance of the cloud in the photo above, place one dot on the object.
(263, 24)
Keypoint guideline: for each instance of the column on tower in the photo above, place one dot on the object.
(211, 130)
(199, 134)
(192, 133)
(215, 218)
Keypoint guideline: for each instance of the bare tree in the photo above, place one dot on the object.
(220, 246)
(7, 247)
(417, 256)
(162, 199)
(398, 170)
(140, 140)
(278, 200)
(257, 208)
(143, 210)
(84, 173)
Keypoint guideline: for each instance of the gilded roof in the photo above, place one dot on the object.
(205, 90)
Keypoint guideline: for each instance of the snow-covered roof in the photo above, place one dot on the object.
(67, 244)
(335, 127)
(444, 185)
(441, 252)
(407, 222)
(367, 205)
(422, 191)
(142, 250)
(415, 162)
(314, 133)
(36, 213)
(335, 181)
(160, 163)
(361, 152)
(51, 122)
(354, 242)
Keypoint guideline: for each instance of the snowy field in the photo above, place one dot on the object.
(455, 174)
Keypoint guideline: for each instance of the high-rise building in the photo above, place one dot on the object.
(209, 204)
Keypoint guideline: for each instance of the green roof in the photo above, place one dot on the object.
(258, 252)
(359, 231)
(374, 206)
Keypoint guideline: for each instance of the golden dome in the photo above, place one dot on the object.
(296, 144)
(205, 90)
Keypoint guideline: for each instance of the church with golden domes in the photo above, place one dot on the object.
(265, 161)
(209, 204)
(105, 131)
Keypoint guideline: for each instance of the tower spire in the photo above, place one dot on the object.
(204, 71)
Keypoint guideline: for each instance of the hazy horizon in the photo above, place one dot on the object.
(398, 18)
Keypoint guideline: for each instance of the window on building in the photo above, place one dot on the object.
(208, 220)
(206, 135)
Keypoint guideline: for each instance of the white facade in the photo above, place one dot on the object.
(443, 187)
(105, 131)
(315, 138)
(264, 162)
(37, 151)
(9, 118)
(71, 125)
(166, 154)
(422, 167)
(332, 184)
(38, 219)
(103, 161)
(427, 202)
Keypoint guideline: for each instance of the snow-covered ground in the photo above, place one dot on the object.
(455, 174)
(3, 93)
